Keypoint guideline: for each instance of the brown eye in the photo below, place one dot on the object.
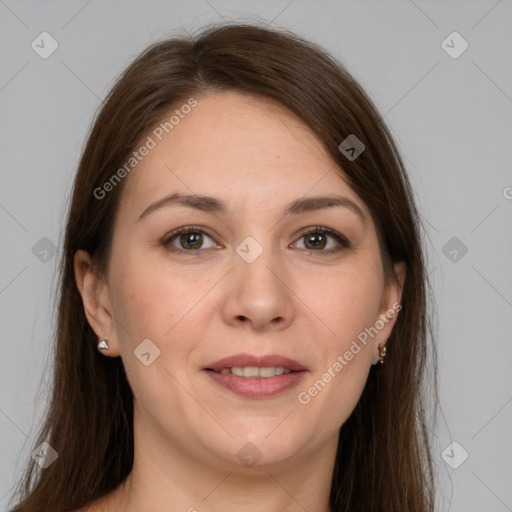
(188, 239)
(318, 240)
(191, 240)
(315, 241)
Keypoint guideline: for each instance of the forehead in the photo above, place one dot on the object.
(248, 150)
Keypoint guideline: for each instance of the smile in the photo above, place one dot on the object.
(254, 371)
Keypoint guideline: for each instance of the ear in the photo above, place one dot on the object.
(96, 300)
(389, 307)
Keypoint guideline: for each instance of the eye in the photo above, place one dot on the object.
(187, 239)
(190, 239)
(317, 239)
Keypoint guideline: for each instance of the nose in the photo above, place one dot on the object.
(258, 294)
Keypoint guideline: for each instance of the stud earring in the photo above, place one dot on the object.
(103, 345)
(382, 353)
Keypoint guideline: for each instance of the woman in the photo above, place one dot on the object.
(242, 318)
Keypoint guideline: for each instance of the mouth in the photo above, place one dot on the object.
(262, 372)
(256, 376)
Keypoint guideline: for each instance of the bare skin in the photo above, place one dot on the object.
(296, 299)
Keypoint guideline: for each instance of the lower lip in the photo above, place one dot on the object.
(257, 387)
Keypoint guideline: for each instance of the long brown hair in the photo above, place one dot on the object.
(383, 462)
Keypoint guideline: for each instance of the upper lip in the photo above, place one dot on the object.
(275, 360)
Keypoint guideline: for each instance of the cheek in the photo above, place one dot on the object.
(151, 297)
(349, 301)
(155, 303)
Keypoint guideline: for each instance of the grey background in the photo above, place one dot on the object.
(451, 118)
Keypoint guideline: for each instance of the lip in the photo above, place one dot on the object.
(251, 360)
(257, 387)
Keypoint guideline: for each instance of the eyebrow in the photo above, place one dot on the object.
(213, 205)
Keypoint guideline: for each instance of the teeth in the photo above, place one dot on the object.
(269, 371)
(250, 371)
(255, 371)
(238, 371)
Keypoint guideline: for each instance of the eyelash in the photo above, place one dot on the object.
(343, 242)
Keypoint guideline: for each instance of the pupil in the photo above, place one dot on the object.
(316, 240)
(190, 239)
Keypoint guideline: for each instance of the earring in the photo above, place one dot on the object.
(103, 345)
(382, 353)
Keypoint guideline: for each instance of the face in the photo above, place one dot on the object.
(282, 285)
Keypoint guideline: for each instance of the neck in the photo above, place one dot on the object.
(174, 480)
